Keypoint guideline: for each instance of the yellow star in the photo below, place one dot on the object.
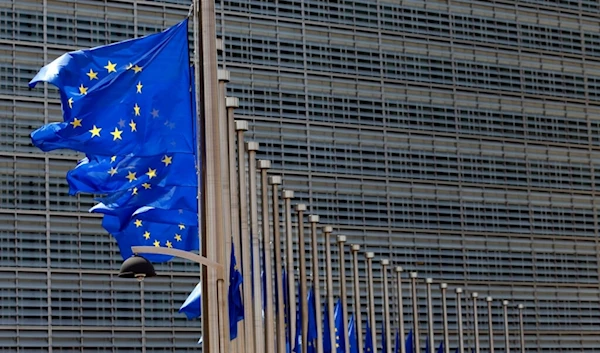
(147, 235)
(138, 223)
(169, 244)
(182, 226)
(136, 110)
(146, 186)
(177, 237)
(134, 191)
(92, 75)
(167, 160)
(137, 69)
(131, 176)
(151, 173)
(157, 243)
(76, 123)
(70, 102)
(139, 87)
(133, 126)
(113, 158)
(95, 131)
(111, 67)
(116, 134)
(82, 89)
(112, 171)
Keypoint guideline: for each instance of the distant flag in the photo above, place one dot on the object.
(286, 312)
(234, 296)
(397, 346)
(383, 339)
(352, 335)
(128, 107)
(409, 343)
(340, 342)
(441, 347)
(368, 340)
(327, 344)
(192, 307)
(298, 336)
(427, 348)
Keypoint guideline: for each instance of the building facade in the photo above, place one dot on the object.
(458, 138)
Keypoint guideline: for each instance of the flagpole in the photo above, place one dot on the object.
(521, 328)
(259, 337)
(341, 240)
(329, 274)
(506, 334)
(230, 104)
(386, 305)
(400, 308)
(461, 347)
(358, 322)
(428, 282)
(371, 318)
(474, 296)
(443, 287)
(302, 301)
(415, 307)
(280, 320)
(265, 165)
(241, 126)
(314, 219)
(490, 324)
(291, 272)
(208, 104)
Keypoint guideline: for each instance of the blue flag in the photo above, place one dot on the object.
(327, 348)
(409, 343)
(129, 107)
(234, 296)
(286, 311)
(192, 307)
(353, 340)
(427, 348)
(397, 345)
(441, 347)
(340, 339)
(383, 338)
(368, 348)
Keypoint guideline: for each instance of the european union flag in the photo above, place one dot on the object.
(353, 340)
(327, 348)
(234, 296)
(368, 340)
(397, 345)
(441, 347)
(340, 340)
(192, 307)
(129, 107)
(409, 343)
(312, 323)
(427, 348)
(286, 311)
(383, 338)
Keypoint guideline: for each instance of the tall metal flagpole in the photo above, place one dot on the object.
(521, 328)
(208, 105)
(314, 219)
(329, 274)
(461, 343)
(506, 333)
(341, 239)
(302, 300)
(415, 307)
(280, 320)
(386, 305)
(428, 282)
(400, 308)
(357, 314)
(259, 335)
(241, 126)
(371, 318)
(264, 165)
(490, 324)
(291, 272)
(443, 287)
(474, 296)
(231, 103)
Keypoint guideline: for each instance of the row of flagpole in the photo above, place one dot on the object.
(264, 328)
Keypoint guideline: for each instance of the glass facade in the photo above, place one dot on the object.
(460, 139)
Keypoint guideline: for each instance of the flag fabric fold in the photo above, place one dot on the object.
(129, 107)
(340, 342)
(368, 348)
(353, 339)
(312, 323)
(409, 343)
(192, 307)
